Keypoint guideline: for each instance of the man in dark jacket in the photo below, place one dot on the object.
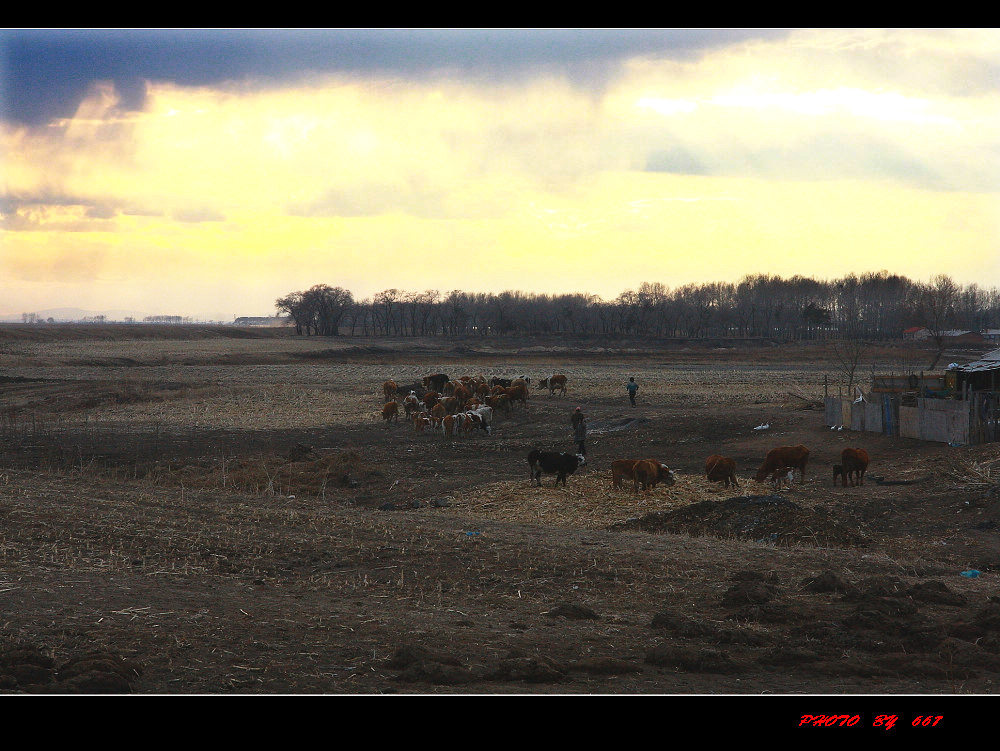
(631, 387)
(579, 422)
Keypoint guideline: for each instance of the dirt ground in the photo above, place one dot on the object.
(216, 514)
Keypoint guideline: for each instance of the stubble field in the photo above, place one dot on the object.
(164, 530)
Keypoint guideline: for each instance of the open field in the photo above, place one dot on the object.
(160, 534)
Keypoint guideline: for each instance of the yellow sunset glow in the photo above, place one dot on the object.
(215, 200)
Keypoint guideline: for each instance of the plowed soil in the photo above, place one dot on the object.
(214, 515)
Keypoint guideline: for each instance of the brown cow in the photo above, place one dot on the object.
(720, 468)
(421, 420)
(390, 412)
(430, 399)
(451, 404)
(467, 422)
(522, 381)
(794, 457)
(389, 389)
(462, 393)
(438, 414)
(499, 402)
(449, 425)
(622, 469)
(649, 472)
(852, 467)
(553, 384)
(518, 393)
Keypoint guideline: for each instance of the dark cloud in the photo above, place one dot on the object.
(45, 73)
(829, 156)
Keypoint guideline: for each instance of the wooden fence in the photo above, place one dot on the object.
(958, 422)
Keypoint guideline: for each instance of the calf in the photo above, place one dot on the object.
(389, 389)
(852, 467)
(782, 476)
(390, 412)
(421, 420)
(649, 473)
(483, 416)
(411, 404)
(721, 469)
(554, 463)
(794, 457)
(553, 384)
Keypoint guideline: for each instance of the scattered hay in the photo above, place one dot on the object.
(273, 475)
(587, 501)
(692, 505)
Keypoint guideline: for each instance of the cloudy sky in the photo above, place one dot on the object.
(207, 172)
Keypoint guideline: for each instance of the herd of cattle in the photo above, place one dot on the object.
(469, 403)
(779, 467)
(458, 407)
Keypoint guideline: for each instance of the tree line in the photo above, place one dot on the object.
(870, 306)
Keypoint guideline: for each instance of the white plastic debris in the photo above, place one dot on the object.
(763, 426)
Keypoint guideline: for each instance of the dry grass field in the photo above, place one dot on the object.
(161, 531)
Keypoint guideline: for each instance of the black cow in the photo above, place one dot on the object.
(505, 382)
(435, 382)
(554, 463)
(406, 388)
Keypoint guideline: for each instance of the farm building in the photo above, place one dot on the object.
(959, 407)
(261, 321)
(916, 332)
(953, 337)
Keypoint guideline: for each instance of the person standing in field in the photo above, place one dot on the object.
(579, 421)
(632, 387)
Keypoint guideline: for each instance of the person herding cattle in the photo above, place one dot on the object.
(579, 421)
(632, 387)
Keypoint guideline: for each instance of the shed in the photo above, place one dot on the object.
(980, 375)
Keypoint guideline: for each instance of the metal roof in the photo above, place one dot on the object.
(989, 361)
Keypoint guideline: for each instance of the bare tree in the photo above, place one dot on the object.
(936, 309)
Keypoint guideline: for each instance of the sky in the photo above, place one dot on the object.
(207, 172)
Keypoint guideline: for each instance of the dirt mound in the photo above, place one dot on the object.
(27, 668)
(764, 518)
